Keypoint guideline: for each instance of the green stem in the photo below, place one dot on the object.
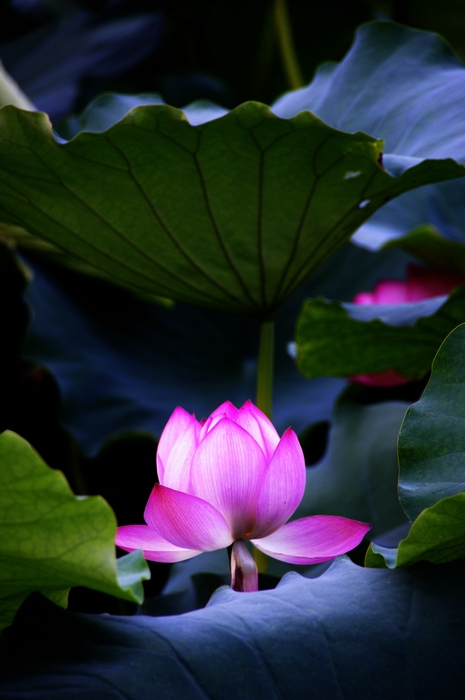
(264, 399)
(286, 45)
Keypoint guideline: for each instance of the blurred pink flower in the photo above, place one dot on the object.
(420, 284)
(228, 479)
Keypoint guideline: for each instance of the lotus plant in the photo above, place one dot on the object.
(421, 283)
(228, 479)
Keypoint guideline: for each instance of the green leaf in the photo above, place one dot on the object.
(437, 535)
(233, 214)
(431, 458)
(427, 244)
(331, 342)
(432, 439)
(52, 540)
(308, 638)
(360, 482)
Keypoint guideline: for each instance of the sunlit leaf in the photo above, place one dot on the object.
(52, 540)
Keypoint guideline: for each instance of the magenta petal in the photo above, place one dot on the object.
(227, 471)
(391, 292)
(283, 486)
(179, 423)
(186, 521)
(313, 540)
(177, 472)
(154, 547)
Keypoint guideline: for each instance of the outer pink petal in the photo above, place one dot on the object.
(155, 547)
(186, 521)
(283, 486)
(179, 422)
(259, 427)
(423, 283)
(177, 472)
(363, 298)
(313, 540)
(391, 292)
(227, 471)
(390, 377)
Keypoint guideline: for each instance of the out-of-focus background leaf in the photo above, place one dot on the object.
(337, 339)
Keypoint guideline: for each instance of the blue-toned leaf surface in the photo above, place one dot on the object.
(353, 633)
(406, 87)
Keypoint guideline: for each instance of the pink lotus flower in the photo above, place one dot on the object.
(228, 479)
(420, 284)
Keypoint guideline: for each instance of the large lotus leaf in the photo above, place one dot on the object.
(308, 638)
(360, 482)
(406, 87)
(344, 340)
(432, 440)
(233, 214)
(123, 364)
(52, 540)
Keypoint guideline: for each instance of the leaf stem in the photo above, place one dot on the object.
(286, 45)
(264, 398)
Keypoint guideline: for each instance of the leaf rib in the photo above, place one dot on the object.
(170, 235)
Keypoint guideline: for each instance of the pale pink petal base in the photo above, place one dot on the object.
(154, 547)
(244, 572)
(313, 540)
(186, 521)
